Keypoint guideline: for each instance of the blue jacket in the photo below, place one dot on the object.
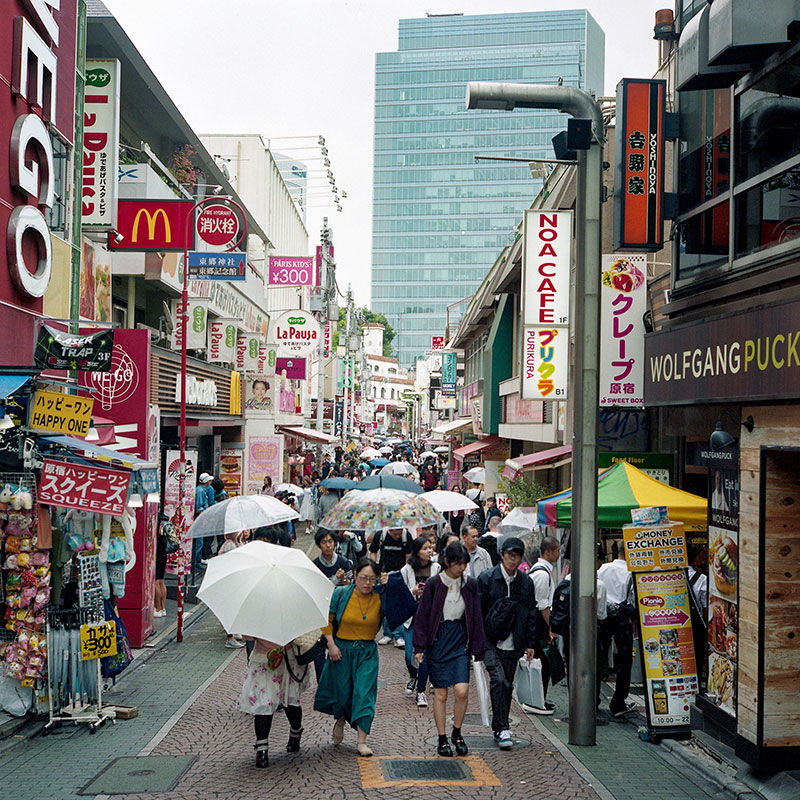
(200, 499)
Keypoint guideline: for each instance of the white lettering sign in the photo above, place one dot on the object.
(198, 392)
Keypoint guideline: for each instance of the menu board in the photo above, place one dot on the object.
(665, 629)
(230, 470)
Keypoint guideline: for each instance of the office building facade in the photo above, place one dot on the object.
(439, 216)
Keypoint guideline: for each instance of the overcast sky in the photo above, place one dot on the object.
(307, 67)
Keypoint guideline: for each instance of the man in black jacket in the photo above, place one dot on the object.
(500, 657)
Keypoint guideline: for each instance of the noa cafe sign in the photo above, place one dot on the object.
(296, 332)
(546, 267)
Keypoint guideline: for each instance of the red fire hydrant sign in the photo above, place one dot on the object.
(96, 489)
(217, 224)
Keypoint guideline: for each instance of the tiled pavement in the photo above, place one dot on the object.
(186, 695)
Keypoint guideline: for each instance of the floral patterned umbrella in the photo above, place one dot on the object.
(380, 508)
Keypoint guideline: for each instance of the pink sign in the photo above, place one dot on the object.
(327, 336)
(291, 271)
(295, 367)
(287, 401)
(263, 458)
(518, 410)
(96, 489)
(182, 560)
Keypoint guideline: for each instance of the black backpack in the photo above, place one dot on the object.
(500, 619)
(559, 609)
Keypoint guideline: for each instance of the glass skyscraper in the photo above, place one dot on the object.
(441, 218)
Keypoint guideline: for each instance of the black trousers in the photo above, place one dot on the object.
(501, 666)
(619, 629)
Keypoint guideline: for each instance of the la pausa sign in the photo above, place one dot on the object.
(296, 332)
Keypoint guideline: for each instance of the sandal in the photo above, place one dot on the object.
(363, 749)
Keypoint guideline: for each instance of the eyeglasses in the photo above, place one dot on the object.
(368, 581)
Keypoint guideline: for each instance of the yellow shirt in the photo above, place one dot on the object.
(361, 618)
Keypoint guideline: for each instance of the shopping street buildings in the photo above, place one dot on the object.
(440, 216)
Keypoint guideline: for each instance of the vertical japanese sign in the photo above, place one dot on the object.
(264, 457)
(449, 374)
(338, 419)
(327, 336)
(547, 258)
(182, 560)
(723, 576)
(100, 144)
(639, 165)
(222, 341)
(665, 632)
(623, 302)
(196, 332)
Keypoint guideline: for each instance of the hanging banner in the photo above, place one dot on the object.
(639, 165)
(62, 413)
(294, 368)
(96, 489)
(182, 559)
(247, 347)
(222, 335)
(65, 351)
(196, 333)
(100, 145)
(545, 363)
(665, 632)
(296, 333)
(623, 302)
(547, 257)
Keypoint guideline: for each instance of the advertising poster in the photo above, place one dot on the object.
(723, 577)
(258, 395)
(95, 296)
(665, 631)
(87, 351)
(183, 558)
(264, 457)
(231, 470)
(623, 302)
(453, 478)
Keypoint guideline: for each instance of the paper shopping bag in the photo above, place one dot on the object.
(528, 682)
(483, 691)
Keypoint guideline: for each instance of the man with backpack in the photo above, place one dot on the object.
(392, 548)
(508, 604)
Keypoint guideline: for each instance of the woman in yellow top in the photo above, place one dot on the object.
(348, 685)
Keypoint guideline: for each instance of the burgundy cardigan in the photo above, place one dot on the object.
(429, 614)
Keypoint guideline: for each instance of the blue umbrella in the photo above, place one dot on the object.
(378, 462)
(339, 483)
(389, 482)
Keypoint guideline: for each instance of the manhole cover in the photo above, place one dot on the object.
(172, 657)
(423, 769)
(482, 741)
(139, 774)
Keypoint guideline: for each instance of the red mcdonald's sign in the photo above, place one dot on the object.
(639, 165)
(151, 225)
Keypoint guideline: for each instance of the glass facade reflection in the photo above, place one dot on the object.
(440, 217)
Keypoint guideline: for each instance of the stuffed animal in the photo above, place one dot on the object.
(6, 493)
(21, 499)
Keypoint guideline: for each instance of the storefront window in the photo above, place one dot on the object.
(768, 214)
(703, 241)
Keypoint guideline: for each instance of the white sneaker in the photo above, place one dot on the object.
(410, 686)
(422, 701)
(503, 739)
(385, 640)
(544, 712)
(162, 613)
(400, 642)
(234, 643)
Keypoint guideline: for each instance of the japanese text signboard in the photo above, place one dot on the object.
(292, 271)
(665, 632)
(100, 144)
(98, 641)
(222, 335)
(296, 333)
(217, 266)
(623, 302)
(96, 489)
(217, 224)
(144, 225)
(437, 342)
(655, 547)
(639, 165)
(545, 362)
(62, 413)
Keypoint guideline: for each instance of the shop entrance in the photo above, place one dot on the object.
(778, 724)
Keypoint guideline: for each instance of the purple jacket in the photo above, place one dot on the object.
(429, 614)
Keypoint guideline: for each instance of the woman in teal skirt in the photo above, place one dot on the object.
(348, 685)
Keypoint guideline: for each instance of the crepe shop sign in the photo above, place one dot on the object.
(102, 491)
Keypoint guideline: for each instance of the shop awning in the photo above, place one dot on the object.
(545, 459)
(448, 428)
(476, 447)
(309, 434)
(96, 451)
(10, 384)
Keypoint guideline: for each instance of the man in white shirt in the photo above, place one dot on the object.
(479, 559)
(619, 628)
(544, 583)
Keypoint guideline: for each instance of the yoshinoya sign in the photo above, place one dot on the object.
(737, 357)
(100, 144)
(546, 266)
(296, 332)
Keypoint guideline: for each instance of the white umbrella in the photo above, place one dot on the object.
(476, 475)
(427, 454)
(521, 519)
(474, 494)
(263, 590)
(441, 449)
(386, 449)
(369, 453)
(448, 501)
(399, 468)
(241, 514)
(297, 491)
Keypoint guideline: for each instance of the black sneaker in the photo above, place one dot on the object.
(549, 706)
(626, 709)
(411, 687)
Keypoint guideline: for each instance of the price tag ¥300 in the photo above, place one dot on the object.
(98, 641)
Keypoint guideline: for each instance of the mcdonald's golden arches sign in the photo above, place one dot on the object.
(151, 225)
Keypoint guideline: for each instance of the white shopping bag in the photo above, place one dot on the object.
(528, 682)
(483, 691)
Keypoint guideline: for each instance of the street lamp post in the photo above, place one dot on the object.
(184, 317)
(583, 599)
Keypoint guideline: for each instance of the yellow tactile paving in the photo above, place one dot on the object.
(372, 774)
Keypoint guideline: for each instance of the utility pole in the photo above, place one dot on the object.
(347, 373)
(583, 599)
(327, 272)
